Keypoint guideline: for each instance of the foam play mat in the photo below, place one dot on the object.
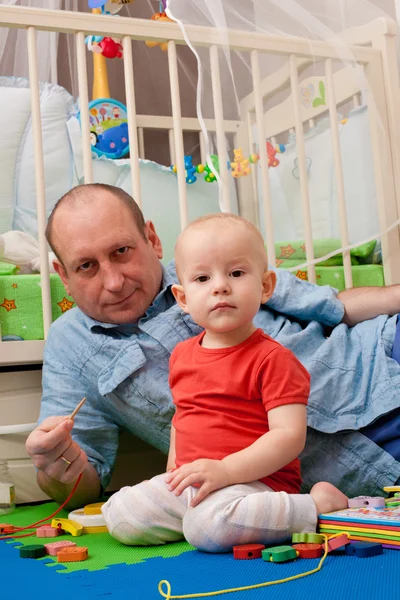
(117, 572)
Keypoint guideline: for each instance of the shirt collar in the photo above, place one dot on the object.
(161, 302)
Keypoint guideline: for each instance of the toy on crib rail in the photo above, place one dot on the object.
(271, 152)
(108, 47)
(190, 169)
(240, 164)
(110, 7)
(209, 176)
(108, 128)
(160, 16)
(239, 167)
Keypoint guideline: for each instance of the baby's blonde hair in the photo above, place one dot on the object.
(224, 218)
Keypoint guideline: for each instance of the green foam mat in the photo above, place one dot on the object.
(103, 549)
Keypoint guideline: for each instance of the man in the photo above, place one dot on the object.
(114, 350)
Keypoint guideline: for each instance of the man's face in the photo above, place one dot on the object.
(109, 269)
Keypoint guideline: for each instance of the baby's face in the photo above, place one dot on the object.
(222, 270)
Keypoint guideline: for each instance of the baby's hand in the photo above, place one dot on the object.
(210, 474)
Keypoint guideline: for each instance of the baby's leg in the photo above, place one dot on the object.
(248, 513)
(146, 514)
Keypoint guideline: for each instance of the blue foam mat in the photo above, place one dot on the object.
(342, 577)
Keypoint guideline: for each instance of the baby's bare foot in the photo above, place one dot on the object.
(327, 497)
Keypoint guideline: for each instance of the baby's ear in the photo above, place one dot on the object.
(269, 283)
(180, 296)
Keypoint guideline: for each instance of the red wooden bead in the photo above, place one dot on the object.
(309, 550)
(248, 551)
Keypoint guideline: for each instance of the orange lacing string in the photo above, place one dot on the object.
(10, 535)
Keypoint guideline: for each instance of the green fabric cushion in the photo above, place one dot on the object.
(295, 250)
(8, 269)
(21, 305)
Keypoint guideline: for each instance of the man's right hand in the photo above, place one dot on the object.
(51, 448)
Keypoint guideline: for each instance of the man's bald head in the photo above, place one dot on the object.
(85, 194)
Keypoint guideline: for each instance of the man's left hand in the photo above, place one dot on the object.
(210, 474)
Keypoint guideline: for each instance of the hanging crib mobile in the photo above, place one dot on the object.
(107, 116)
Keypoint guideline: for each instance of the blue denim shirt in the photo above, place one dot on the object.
(123, 372)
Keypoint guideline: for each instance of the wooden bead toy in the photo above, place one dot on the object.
(364, 549)
(72, 527)
(361, 501)
(248, 551)
(46, 531)
(53, 548)
(75, 554)
(32, 551)
(307, 538)
(279, 554)
(338, 542)
(309, 550)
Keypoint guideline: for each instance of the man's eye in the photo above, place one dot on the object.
(237, 273)
(202, 278)
(85, 267)
(122, 250)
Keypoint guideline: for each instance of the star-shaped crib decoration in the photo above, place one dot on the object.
(302, 275)
(287, 251)
(14, 286)
(65, 304)
(8, 305)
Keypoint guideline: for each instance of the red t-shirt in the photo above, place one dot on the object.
(223, 395)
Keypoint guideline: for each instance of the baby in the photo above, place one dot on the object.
(233, 473)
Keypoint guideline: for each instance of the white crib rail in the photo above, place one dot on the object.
(380, 66)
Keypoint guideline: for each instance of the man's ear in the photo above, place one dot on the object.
(59, 268)
(151, 234)
(180, 296)
(268, 284)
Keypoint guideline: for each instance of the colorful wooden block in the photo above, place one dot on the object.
(70, 554)
(309, 550)
(307, 538)
(93, 509)
(47, 531)
(248, 551)
(54, 547)
(6, 528)
(338, 542)
(93, 522)
(371, 501)
(32, 551)
(72, 527)
(364, 549)
(279, 554)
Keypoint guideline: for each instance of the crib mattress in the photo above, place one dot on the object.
(370, 275)
(21, 305)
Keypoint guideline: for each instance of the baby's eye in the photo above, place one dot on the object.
(237, 273)
(202, 278)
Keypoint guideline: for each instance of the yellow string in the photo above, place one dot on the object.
(167, 594)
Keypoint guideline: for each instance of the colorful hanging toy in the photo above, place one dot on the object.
(160, 16)
(108, 117)
(239, 167)
(272, 152)
(109, 7)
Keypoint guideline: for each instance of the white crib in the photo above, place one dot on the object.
(373, 48)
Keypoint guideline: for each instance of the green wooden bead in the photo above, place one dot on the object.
(32, 551)
(307, 538)
(279, 554)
